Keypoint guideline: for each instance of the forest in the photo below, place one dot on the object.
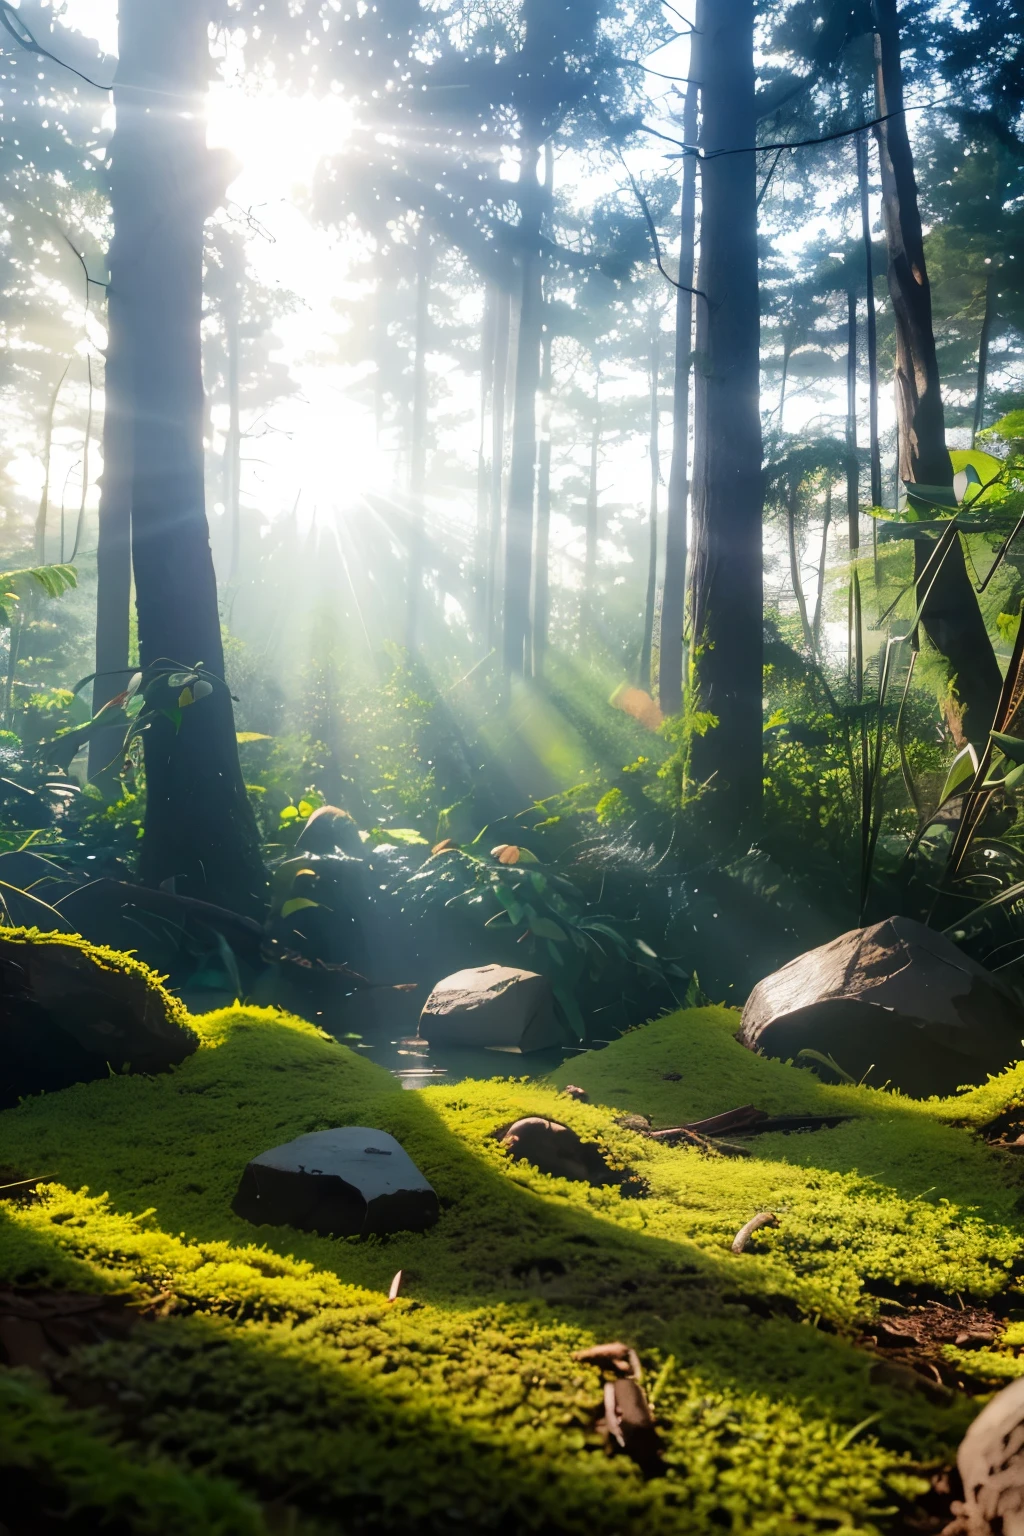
(511, 767)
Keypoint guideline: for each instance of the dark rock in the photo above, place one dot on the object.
(555, 1149)
(345, 1182)
(895, 1000)
(69, 1013)
(492, 1005)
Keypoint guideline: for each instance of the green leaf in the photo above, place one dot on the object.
(297, 904)
(289, 813)
(544, 928)
(963, 768)
(407, 835)
(1010, 746)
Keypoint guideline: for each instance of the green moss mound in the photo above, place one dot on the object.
(71, 1012)
(270, 1386)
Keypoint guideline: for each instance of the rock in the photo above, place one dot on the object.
(895, 1000)
(345, 1182)
(991, 1463)
(555, 1149)
(71, 1012)
(492, 1005)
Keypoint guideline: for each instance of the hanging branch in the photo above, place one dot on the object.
(12, 22)
(828, 138)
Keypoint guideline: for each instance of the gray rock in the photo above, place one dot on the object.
(345, 1182)
(492, 1005)
(896, 1000)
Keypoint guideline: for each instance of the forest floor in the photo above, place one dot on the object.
(198, 1374)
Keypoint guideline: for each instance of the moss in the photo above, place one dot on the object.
(62, 1466)
(137, 976)
(282, 1368)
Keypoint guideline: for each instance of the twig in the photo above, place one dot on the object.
(745, 1233)
(20, 1183)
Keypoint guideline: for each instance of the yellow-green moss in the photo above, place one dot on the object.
(139, 979)
(283, 1368)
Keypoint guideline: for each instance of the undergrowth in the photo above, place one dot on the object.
(278, 1380)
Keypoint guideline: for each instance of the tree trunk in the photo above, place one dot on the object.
(44, 499)
(541, 577)
(418, 443)
(796, 575)
(673, 593)
(786, 354)
(951, 616)
(726, 585)
(233, 442)
(872, 328)
(852, 462)
(523, 466)
(199, 826)
(647, 646)
(826, 523)
(587, 603)
(498, 397)
(483, 478)
(983, 344)
(113, 543)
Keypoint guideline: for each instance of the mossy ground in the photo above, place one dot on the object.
(279, 1391)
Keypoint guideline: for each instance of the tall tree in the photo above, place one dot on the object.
(726, 583)
(199, 827)
(653, 449)
(951, 616)
(673, 599)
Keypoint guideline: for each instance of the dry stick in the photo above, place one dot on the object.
(20, 1183)
(745, 1233)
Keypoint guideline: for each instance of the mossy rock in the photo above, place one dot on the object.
(269, 1384)
(71, 1012)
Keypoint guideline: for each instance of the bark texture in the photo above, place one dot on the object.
(199, 826)
(523, 464)
(951, 616)
(726, 584)
(673, 597)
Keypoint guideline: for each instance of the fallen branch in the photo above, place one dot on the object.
(745, 1233)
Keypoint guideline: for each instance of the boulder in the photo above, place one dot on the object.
(70, 1012)
(555, 1149)
(896, 1000)
(991, 1465)
(492, 1005)
(345, 1182)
